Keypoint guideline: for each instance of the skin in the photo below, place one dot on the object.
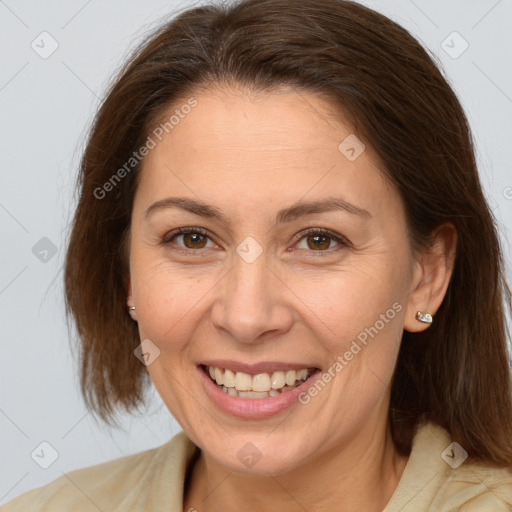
(250, 156)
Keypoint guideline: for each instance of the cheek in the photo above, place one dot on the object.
(358, 315)
(345, 301)
(169, 299)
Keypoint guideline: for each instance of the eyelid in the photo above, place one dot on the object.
(323, 232)
(180, 231)
(168, 237)
(340, 239)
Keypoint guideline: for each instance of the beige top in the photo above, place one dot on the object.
(154, 480)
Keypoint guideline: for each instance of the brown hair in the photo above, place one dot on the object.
(455, 373)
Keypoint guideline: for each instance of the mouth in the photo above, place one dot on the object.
(259, 385)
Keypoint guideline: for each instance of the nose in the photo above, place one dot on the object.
(251, 303)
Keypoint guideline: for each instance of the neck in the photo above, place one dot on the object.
(359, 476)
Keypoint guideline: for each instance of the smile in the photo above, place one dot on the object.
(258, 386)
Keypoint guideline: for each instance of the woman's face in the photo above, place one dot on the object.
(259, 286)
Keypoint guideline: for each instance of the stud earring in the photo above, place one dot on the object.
(426, 318)
(131, 310)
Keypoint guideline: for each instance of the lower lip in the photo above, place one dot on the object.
(253, 408)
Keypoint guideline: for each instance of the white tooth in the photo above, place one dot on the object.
(261, 382)
(218, 376)
(290, 377)
(211, 369)
(273, 392)
(278, 380)
(232, 392)
(229, 379)
(253, 394)
(302, 374)
(243, 381)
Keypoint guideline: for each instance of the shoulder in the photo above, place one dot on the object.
(477, 487)
(120, 484)
(439, 477)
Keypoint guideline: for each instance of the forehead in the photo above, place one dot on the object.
(242, 148)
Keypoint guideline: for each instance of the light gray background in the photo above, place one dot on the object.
(46, 106)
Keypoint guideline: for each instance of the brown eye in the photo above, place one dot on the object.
(192, 238)
(317, 242)
(196, 240)
(321, 240)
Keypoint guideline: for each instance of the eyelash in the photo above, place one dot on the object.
(342, 241)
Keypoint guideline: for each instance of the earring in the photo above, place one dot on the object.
(426, 318)
(131, 311)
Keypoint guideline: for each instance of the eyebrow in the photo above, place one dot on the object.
(285, 215)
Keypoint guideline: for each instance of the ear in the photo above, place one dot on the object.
(129, 298)
(128, 288)
(431, 276)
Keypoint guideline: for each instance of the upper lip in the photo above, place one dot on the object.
(255, 368)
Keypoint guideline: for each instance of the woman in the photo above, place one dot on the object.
(281, 226)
